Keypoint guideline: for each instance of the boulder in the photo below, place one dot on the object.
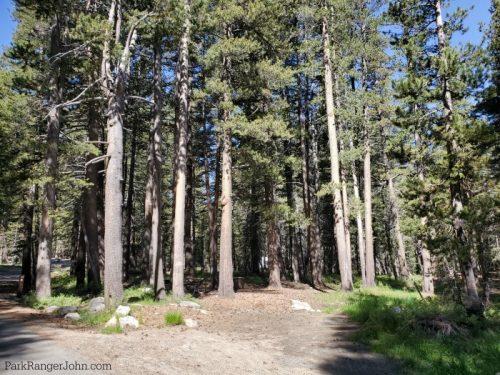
(190, 304)
(72, 316)
(204, 312)
(129, 321)
(111, 322)
(66, 310)
(191, 323)
(300, 305)
(122, 310)
(97, 304)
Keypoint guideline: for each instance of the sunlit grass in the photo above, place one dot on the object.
(173, 318)
(387, 315)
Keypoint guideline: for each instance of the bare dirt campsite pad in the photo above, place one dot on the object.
(257, 332)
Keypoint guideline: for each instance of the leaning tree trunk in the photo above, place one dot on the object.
(43, 284)
(345, 272)
(182, 126)
(153, 202)
(456, 184)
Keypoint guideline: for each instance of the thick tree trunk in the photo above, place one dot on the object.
(226, 283)
(153, 202)
(26, 268)
(345, 272)
(182, 127)
(115, 90)
(456, 188)
(43, 282)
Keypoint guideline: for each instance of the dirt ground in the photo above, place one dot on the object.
(255, 333)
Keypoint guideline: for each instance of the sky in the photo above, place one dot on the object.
(480, 13)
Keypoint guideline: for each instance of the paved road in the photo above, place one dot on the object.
(21, 346)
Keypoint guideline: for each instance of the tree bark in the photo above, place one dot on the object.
(272, 239)
(27, 269)
(115, 86)
(129, 207)
(89, 207)
(153, 202)
(292, 234)
(182, 127)
(43, 282)
(345, 273)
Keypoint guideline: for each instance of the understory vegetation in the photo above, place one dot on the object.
(430, 336)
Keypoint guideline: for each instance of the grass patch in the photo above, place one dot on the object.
(387, 315)
(174, 318)
(145, 296)
(112, 330)
(91, 319)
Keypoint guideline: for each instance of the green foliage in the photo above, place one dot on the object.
(112, 330)
(174, 318)
(388, 318)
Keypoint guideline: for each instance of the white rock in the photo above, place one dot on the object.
(111, 322)
(191, 323)
(190, 304)
(147, 289)
(122, 310)
(129, 321)
(72, 316)
(300, 305)
(204, 312)
(66, 310)
(52, 309)
(97, 304)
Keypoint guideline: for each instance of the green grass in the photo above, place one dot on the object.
(112, 329)
(174, 318)
(387, 315)
(92, 319)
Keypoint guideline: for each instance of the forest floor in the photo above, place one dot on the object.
(255, 333)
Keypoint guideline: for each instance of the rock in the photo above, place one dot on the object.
(52, 309)
(122, 310)
(396, 310)
(204, 312)
(111, 322)
(129, 321)
(147, 289)
(72, 316)
(191, 323)
(66, 310)
(97, 304)
(300, 305)
(190, 304)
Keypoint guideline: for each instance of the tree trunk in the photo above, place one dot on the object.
(456, 188)
(345, 272)
(81, 258)
(115, 90)
(153, 202)
(89, 207)
(43, 282)
(272, 240)
(393, 208)
(129, 207)
(292, 234)
(182, 125)
(190, 207)
(26, 269)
